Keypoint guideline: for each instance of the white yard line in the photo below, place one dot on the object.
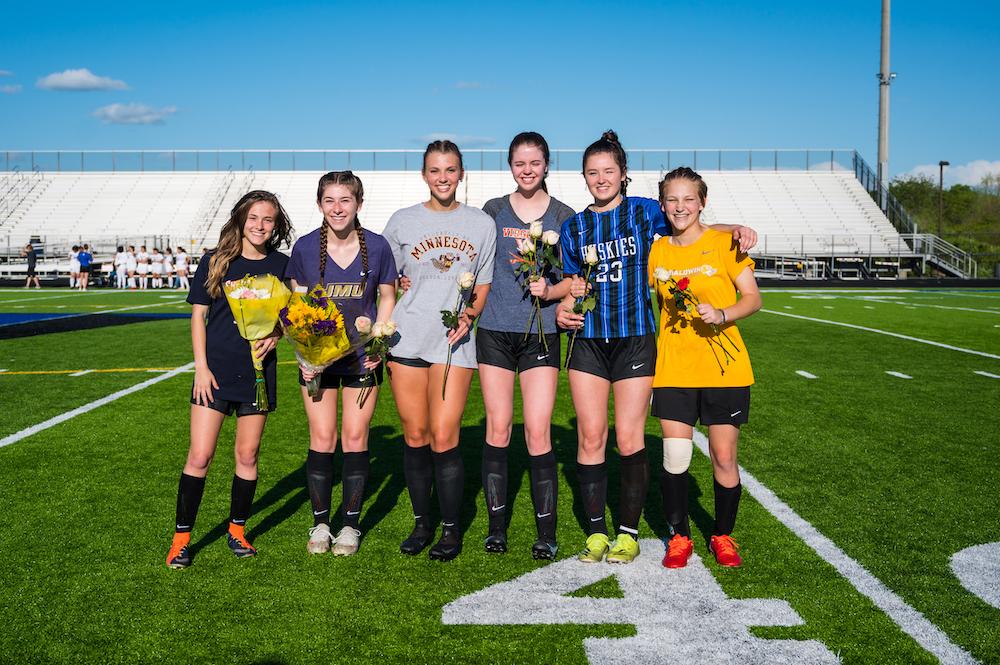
(992, 376)
(805, 374)
(899, 375)
(912, 622)
(34, 429)
(884, 332)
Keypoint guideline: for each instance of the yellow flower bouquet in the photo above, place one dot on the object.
(314, 324)
(255, 302)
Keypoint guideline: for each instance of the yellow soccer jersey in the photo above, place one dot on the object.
(689, 354)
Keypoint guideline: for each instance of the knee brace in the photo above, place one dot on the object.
(677, 455)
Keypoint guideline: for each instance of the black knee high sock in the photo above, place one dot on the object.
(189, 493)
(545, 492)
(419, 474)
(319, 478)
(357, 467)
(593, 479)
(727, 503)
(635, 484)
(241, 499)
(449, 476)
(674, 487)
(495, 484)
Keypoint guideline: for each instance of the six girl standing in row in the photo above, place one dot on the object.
(431, 364)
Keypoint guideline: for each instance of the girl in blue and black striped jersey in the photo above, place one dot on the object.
(616, 345)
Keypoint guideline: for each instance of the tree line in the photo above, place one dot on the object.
(970, 216)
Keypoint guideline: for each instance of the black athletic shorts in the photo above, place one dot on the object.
(335, 381)
(616, 358)
(31, 272)
(85, 269)
(510, 350)
(239, 408)
(713, 406)
(409, 362)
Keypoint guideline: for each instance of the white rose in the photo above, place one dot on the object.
(527, 246)
(661, 274)
(363, 324)
(302, 289)
(466, 280)
(389, 328)
(591, 255)
(551, 238)
(378, 330)
(535, 229)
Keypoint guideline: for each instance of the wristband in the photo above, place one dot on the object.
(723, 315)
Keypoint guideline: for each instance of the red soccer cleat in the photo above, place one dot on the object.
(679, 550)
(724, 548)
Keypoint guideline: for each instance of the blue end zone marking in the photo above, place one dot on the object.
(10, 319)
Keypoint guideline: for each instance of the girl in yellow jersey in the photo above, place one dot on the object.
(702, 367)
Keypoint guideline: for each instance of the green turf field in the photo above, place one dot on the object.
(870, 459)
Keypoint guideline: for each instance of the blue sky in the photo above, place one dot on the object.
(387, 75)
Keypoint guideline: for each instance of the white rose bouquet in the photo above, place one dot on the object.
(537, 252)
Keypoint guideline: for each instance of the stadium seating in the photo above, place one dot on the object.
(796, 213)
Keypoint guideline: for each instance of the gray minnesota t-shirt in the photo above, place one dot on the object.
(433, 249)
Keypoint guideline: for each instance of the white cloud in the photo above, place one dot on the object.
(473, 85)
(80, 79)
(4, 72)
(461, 141)
(133, 114)
(10, 89)
(969, 174)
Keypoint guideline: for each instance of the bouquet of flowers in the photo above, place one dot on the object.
(450, 319)
(314, 325)
(255, 302)
(537, 251)
(588, 301)
(379, 335)
(685, 301)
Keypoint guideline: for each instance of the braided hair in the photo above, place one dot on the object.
(608, 144)
(353, 184)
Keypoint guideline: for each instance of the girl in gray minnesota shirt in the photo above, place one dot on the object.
(433, 243)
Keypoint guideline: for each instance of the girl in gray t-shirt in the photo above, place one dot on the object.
(433, 243)
(505, 350)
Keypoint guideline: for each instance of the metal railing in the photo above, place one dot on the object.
(84, 161)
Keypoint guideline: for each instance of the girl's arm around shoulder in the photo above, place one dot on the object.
(746, 236)
(749, 302)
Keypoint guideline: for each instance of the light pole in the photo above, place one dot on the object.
(941, 165)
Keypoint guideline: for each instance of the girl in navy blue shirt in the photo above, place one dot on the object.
(224, 379)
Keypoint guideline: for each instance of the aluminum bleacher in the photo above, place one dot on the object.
(781, 206)
(798, 213)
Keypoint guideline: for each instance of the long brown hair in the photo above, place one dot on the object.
(231, 237)
(353, 184)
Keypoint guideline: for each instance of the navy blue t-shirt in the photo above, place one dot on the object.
(229, 355)
(344, 285)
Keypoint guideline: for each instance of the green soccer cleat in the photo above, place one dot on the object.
(626, 549)
(597, 547)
